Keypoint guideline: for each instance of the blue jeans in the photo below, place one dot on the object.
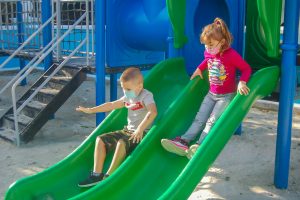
(210, 110)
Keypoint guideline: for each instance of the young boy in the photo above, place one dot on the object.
(141, 113)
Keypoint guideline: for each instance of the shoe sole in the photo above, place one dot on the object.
(88, 185)
(173, 148)
(191, 152)
(189, 155)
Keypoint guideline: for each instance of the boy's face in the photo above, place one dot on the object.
(132, 85)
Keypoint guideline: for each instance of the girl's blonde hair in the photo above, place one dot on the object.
(217, 30)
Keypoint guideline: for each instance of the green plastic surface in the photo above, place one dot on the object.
(263, 32)
(150, 172)
(269, 12)
(177, 10)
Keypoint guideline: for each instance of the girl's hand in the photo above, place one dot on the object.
(137, 136)
(83, 109)
(243, 88)
(197, 72)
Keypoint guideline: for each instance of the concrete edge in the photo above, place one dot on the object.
(273, 106)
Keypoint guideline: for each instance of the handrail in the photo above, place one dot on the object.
(49, 51)
(27, 66)
(50, 76)
(28, 40)
(13, 90)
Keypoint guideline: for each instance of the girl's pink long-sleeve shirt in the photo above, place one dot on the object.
(222, 70)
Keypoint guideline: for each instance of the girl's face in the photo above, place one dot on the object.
(213, 46)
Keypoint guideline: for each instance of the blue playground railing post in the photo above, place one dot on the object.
(241, 43)
(287, 91)
(113, 87)
(172, 52)
(100, 55)
(20, 27)
(47, 32)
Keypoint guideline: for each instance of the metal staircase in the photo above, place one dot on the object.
(46, 102)
(21, 122)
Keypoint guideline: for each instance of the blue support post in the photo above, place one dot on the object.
(238, 130)
(241, 42)
(287, 90)
(172, 52)
(113, 87)
(100, 55)
(20, 27)
(47, 32)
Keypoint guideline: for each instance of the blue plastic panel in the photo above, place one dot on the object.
(136, 32)
(203, 12)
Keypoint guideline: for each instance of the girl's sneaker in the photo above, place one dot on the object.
(177, 146)
(192, 150)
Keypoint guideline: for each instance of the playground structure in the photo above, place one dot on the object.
(160, 31)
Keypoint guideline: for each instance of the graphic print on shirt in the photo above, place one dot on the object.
(217, 72)
(134, 106)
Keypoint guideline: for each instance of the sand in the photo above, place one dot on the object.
(244, 170)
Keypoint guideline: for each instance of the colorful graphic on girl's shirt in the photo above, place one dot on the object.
(217, 72)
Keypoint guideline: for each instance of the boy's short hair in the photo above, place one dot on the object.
(131, 73)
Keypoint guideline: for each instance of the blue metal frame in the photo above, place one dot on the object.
(100, 7)
(287, 90)
(113, 87)
(20, 36)
(47, 32)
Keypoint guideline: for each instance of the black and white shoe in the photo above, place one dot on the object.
(91, 180)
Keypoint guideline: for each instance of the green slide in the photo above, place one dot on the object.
(263, 22)
(150, 172)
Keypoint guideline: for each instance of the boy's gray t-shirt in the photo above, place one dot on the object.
(137, 109)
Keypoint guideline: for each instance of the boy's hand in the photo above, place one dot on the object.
(243, 88)
(83, 109)
(197, 72)
(137, 136)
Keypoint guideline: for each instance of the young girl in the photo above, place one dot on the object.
(222, 62)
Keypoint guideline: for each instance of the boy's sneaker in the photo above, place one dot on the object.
(192, 150)
(177, 146)
(91, 180)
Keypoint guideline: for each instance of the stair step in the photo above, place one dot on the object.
(56, 85)
(7, 134)
(67, 72)
(33, 108)
(23, 119)
(9, 121)
(60, 78)
(45, 95)
(36, 104)
(49, 91)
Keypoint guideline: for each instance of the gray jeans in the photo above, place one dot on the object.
(210, 110)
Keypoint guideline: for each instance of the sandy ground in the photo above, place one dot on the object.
(244, 170)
